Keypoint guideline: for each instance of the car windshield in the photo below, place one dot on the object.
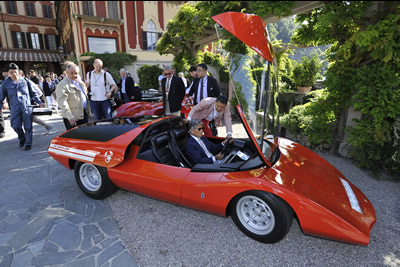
(252, 92)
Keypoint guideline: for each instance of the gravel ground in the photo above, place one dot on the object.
(161, 234)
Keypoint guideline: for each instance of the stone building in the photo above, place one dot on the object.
(28, 36)
(133, 27)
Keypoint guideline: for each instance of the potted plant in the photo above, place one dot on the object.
(305, 74)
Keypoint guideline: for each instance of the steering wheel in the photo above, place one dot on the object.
(227, 147)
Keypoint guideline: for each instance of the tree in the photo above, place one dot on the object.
(148, 76)
(364, 73)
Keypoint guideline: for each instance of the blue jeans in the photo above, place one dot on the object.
(23, 118)
(101, 109)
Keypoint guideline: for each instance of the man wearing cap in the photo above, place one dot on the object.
(19, 94)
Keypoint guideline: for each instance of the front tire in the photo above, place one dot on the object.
(93, 180)
(262, 216)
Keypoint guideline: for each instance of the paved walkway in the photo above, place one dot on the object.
(45, 220)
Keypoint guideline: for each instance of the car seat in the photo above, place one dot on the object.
(179, 138)
(160, 145)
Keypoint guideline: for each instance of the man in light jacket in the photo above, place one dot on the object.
(213, 109)
(71, 94)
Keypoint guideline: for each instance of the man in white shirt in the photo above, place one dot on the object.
(180, 75)
(101, 86)
(203, 86)
(160, 78)
(193, 73)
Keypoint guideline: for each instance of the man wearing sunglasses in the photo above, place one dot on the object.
(173, 91)
(199, 149)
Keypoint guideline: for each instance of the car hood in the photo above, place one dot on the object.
(308, 175)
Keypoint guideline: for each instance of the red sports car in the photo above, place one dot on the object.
(151, 105)
(263, 182)
(262, 190)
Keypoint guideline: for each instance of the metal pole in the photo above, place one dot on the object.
(4, 26)
(265, 103)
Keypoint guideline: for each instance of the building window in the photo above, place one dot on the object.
(112, 9)
(87, 7)
(33, 40)
(30, 9)
(11, 7)
(47, 12)
(19, 40)
(151, 36)
(50, 41)
(102, 45)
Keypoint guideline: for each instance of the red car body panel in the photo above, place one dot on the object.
(93, 152)
(140, 109)
(249, 29)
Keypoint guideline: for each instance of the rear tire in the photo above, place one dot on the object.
(262, 216)
(93, 180)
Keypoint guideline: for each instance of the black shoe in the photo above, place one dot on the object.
(2, 134)
(28, 147)
(22, 143)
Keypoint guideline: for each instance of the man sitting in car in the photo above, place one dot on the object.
(199, 149)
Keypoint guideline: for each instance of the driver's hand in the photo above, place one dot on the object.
(219, 156)
(230, 141)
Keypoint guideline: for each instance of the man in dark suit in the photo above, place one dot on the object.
(204, 85)
(199, 149)
(129, 91)
(173, 91)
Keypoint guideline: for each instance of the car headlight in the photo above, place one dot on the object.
(352, 197)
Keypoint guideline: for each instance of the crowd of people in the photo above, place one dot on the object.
(76, 99)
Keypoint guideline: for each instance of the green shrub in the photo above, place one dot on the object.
(88, 54)
(305, 73)
(293, 120)
(376, 136)
(148, 76)
(216, 61)
(315, 119)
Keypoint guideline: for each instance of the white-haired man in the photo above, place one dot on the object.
(173, 91)
(129, 91)
(71, 94)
